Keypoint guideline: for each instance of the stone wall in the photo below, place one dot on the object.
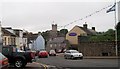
(98, 48)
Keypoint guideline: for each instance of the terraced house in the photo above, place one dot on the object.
(9, 38)
(14, 37)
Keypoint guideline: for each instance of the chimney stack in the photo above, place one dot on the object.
(93, 28)
(85, 25)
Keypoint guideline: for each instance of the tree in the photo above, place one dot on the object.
(45, 36)
(106, 36)
(110, 35)
(64, 31)
(118, 31)
(118, 26)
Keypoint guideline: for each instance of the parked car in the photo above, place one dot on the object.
(3, 61)
(73, 54)
(43, 54)
(18, 58)
(52, 53)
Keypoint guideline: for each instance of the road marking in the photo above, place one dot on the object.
(46, 66)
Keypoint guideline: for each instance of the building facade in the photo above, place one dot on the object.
(55, 42)
(14, 37)
(72, 35)
(58, 44)
(9, 38)
(19, 38)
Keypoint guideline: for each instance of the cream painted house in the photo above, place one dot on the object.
(8, 37)
(72, 35)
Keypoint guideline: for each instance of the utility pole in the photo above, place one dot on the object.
(116, 46)
(1, 44)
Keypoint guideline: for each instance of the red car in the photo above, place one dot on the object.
(43, 54)
(3, 62)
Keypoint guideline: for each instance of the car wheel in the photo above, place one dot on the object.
(46, 56)
(65, 57)
(39, 56)
(72, 57)
(19, 63)
(81, 57)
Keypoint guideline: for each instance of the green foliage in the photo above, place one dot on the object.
(107, 36)
(110, 32)
(45, 36)
(64, 31)
(118, 31)
(118, 26)
(118, 35)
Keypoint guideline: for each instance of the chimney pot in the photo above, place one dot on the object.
(85, 26)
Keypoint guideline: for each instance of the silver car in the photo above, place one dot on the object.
(71, 54)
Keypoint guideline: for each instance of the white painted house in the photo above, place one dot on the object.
(19, 38)
(39, 43)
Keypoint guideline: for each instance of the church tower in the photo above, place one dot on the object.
(53, 32)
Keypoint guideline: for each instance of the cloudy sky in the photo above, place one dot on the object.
(38, 15)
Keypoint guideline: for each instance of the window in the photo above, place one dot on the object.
(51, 45)
(13, 41)
(5, 40)
(67, 51)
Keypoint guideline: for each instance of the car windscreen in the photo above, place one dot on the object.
(1, 56)
(74, 52)
(52, 51)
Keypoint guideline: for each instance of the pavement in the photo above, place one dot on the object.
(101, 57)
(36, 65)
(33, 65)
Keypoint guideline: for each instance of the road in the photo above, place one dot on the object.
(61, 63)
(33, 65)
(58, 62)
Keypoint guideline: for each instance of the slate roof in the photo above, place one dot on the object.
(31, 37)
(7, 33)
(88, 31)
(57, 40)
(17, 32)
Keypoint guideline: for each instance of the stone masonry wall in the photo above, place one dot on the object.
(98, 48)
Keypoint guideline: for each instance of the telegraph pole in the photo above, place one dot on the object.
(116, 46)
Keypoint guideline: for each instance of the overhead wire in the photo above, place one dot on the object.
(85, 16)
